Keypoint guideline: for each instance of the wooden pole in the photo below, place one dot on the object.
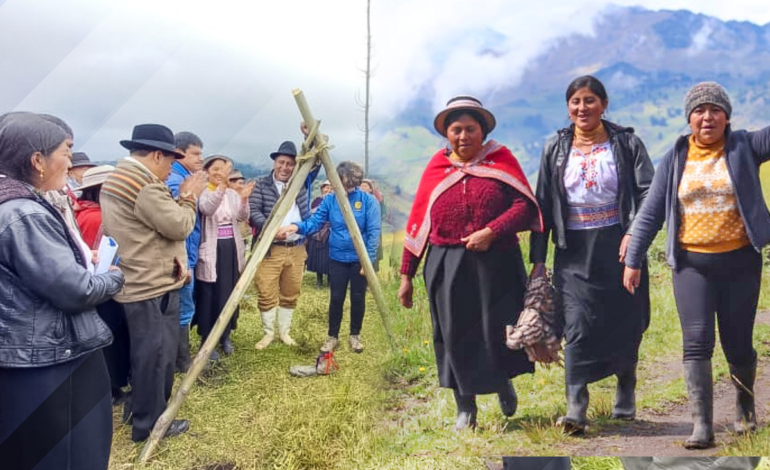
(347, 213)
(267, 234)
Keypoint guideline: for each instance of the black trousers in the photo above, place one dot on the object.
(153, 327)
(723, 283)
(340, 274)
(116, 355)
(57, 416)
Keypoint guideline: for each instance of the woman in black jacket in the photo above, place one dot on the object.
(593, 177)
(54, 387)
(707, 190)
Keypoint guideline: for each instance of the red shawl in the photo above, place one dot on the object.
(89, 218)
(494, 161)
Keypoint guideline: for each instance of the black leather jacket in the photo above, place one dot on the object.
(635, 172)
(47, 296)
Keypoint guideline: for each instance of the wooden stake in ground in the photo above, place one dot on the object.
(306, 163)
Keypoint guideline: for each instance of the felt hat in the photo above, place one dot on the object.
(95, 176)
(467, 103)
(235, 175)
(80, 159)
(208, 161)
(152, 137)
(287, 148)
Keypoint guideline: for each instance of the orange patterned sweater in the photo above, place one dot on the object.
(710, 219)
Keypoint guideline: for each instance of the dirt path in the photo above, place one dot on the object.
(662, 433)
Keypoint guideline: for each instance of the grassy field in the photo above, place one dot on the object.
(383, 408)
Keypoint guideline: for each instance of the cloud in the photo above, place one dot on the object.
(225, 69)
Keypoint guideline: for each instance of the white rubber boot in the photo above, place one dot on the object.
(284, 325)
(268, 324)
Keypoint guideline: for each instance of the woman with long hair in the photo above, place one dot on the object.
(594, 176)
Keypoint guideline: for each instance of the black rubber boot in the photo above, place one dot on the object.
(508, 399)
(183, 360)
(466, 411)
(625, 399)
(227, 344)
(745, 414)
(700, 388)
(574, 423)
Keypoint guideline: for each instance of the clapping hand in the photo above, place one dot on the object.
(194, 183)
(246, 190)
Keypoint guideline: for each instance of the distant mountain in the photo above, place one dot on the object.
(646, 59)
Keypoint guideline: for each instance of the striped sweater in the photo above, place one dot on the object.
(150, 227)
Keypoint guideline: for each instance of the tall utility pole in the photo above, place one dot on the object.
(367, 100)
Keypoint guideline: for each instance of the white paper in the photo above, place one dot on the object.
(108, 248)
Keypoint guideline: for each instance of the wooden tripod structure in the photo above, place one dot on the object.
(306, 162)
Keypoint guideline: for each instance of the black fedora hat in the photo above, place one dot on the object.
(80, 159)
(287, 148)
(152, 137)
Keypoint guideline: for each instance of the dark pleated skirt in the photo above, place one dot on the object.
(211, 297)
(318, 256)
(116, 355)
(603, 322)
(473, 296)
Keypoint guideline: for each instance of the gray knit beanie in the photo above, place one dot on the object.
(707, 92)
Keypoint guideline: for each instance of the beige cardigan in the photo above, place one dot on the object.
(212, 205)
(150, 227)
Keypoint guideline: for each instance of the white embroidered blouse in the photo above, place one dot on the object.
(591, 179)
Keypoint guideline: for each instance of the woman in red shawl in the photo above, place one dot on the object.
(471, 201)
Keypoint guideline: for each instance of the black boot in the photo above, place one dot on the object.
(177, 427)
(700, 388)
(227, 345)
(574, 423)
(625, 400)
(319, 280)
(508, 400)
(183, 361)
(466, 411)
(745, 414)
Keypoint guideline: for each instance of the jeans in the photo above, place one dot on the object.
(187, 302)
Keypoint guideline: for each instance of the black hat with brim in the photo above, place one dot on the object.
(287, 148)
(152, 137)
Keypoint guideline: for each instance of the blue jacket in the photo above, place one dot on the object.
(366, 210)
(744, 152)
(175, 178)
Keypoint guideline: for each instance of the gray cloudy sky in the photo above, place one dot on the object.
(225, 69)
